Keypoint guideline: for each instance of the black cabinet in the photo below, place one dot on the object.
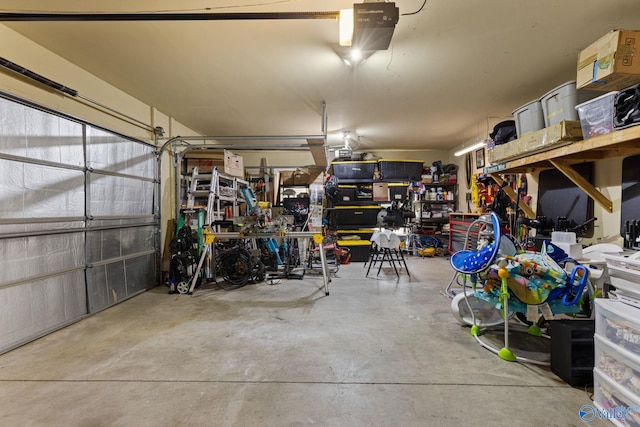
(572, 350)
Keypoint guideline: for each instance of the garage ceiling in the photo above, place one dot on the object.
(452, 71)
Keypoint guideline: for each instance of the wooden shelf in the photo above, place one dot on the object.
(623, 142)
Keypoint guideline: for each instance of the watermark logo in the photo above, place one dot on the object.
(589, 413)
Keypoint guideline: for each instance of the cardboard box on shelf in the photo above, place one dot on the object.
(380, 191)
(534, 142)
(204, 165)
(561, 133)
(506, 151)
(295, 177)
(611, 62)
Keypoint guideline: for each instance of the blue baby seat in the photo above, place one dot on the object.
(475, 261)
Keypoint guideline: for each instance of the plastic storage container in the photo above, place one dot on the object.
(398, 191)
(612, 400)
(364, 216)
(560, 103)
(567, 242)
(347, 192)
(596, 115)
(354, 170)
(618, 364)
(624, 272)
(359, 249)
(362, 233)
(626, 107)
(619, 323)
(401, 170)
(529, 118)
(350, 193)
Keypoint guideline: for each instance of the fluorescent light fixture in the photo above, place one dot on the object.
(475, 146)
(346, 27)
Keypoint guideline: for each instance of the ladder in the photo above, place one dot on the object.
(191, 191)
(214, 188)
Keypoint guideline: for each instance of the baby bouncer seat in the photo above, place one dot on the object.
(513, 280)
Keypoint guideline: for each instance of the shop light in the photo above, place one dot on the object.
(465, 150)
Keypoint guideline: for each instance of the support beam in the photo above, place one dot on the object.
(582, 183)
(318, 151)
(529, 213)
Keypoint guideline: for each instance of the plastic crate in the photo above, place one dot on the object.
(625, 276)
(612, 399)
(366, 216)
(619, 364)
(359, 249)
(560, 103)
(619, 323)
(363, 233)
(401, 170)
(529, 118)
(354, 170)
(626, 107)
(350, 193)
(398, 191)
(596, 115)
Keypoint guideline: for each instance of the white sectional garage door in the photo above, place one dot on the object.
(78, 220)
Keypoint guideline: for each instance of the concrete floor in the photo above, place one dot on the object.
(375, 352)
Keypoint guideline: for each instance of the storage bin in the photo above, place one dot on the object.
(347, 192)
(619, 323)
(572, 350)
(359, 249)
(596, 115)
(354, 170)
(618, 364)
(560, 103)
(613, 400)
(625, 276)
(626, 107)
(363, 233)
(350, 193)
(529, 118)
(364, 192)
(365, 216)
(401, 170)
(398, 191)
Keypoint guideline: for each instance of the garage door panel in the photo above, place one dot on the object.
(75, 238)
(30, 310)
(140, 274)
(113, 153)
(119, 196)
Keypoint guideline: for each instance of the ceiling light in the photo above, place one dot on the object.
(353, 56)
(346, 27)
(475, 146)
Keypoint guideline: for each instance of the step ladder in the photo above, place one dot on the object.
(192, 189)
(211, 199)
